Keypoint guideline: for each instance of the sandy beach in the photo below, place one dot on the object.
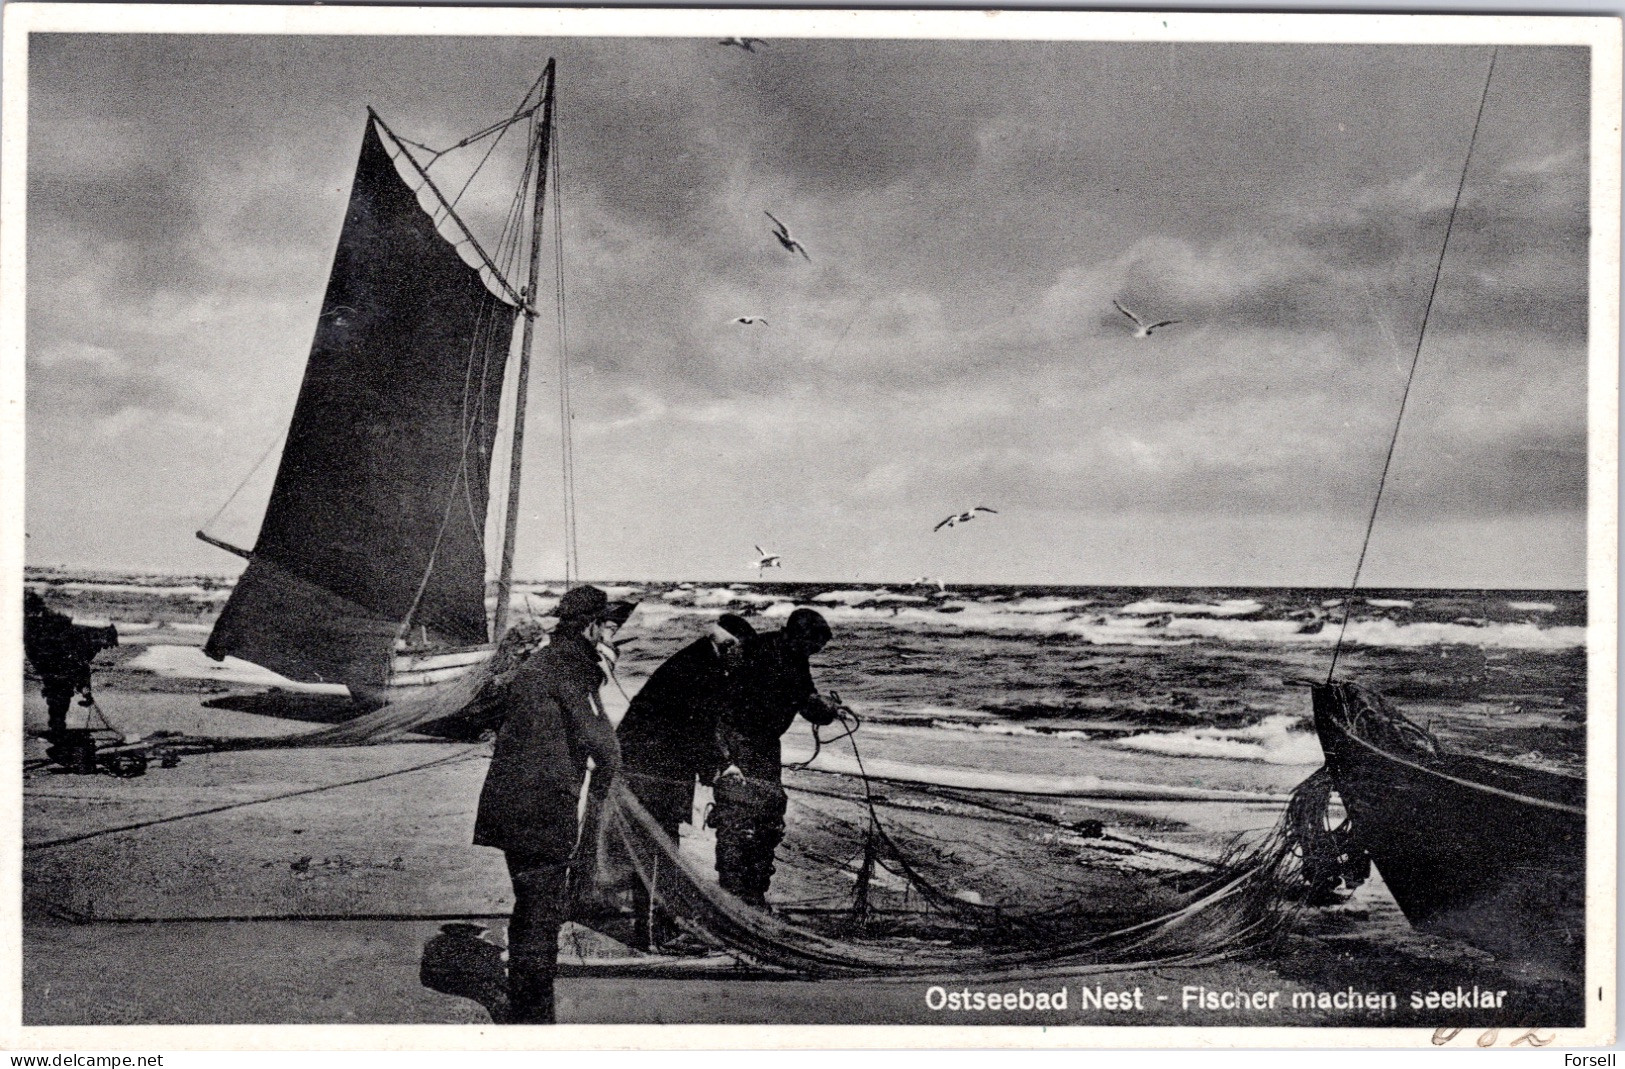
(302, 885)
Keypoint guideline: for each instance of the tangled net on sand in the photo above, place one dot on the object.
(1241, 904)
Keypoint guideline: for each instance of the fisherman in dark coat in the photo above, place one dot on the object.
(669, 737)
(554, 723)
(771, 689)
(61, 652)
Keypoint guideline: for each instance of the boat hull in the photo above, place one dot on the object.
(412, 670)
(418, 668)
(1483, 851)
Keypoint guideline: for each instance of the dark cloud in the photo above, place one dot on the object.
(1511, 478)
(971, 209)
(824, 129)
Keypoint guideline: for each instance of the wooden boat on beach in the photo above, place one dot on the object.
(1486, 851)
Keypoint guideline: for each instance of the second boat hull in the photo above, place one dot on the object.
(1484, 851)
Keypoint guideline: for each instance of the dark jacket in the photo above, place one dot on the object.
(669, 733)
(61, 650)
(553, 724)
(771, 689)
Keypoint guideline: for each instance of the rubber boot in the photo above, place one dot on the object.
(56, 713)
(732, 861)
(530, 990)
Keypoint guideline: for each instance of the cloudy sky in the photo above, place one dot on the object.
(971, 209)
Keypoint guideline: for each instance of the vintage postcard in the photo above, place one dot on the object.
(1061, 529)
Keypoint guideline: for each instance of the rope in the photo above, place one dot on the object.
(67, 839)
(75, 916)
(206, 524)
(848, 719)
(509, 251)
(400, 152)
(1421, 335)
(499, 127)
(501, 130)
(572, 550)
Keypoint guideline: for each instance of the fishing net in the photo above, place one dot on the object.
(900, 916)
(1331, 862)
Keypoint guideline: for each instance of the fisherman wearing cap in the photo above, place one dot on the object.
(773, 686)
(669, 736)
(554, 723)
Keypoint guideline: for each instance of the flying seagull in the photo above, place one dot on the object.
(764, 559)
(963, 517)
(782, 233)
(1142, 328)
(747, 43)
(338, 313)
(751, 321)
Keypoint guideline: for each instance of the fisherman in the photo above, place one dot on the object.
(555, 721)
(61, 652)
(669, 737)
(773, 686)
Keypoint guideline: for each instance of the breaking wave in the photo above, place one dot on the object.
(1276, 740)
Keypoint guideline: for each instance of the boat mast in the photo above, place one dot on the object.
(527, 309)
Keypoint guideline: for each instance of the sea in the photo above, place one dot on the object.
(1207, 673)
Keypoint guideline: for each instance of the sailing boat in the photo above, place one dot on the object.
(370, 566)
(1486, 851)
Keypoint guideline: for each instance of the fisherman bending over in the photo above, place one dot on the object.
(669, 736)
(772, 688)
(554, 722)
(61, 652)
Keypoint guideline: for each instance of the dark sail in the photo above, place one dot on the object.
(377, 517)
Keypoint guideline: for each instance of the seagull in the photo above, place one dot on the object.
(926, 580)
(338, 312)
(963, 517)
(747, 43)
(765, 560)
(751, 321)
(782, 233)
(1143, 329)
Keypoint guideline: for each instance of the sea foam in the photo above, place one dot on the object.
(1274, 740)
(1231, 607)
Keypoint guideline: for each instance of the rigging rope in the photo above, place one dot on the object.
(399, 152)
(459, 477)
(498, 128)
(509, 252)
(481, 350)
(477, 168)
(206, 524)
(1421, 335)
(572, 552)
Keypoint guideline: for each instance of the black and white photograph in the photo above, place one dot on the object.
(530, 519)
